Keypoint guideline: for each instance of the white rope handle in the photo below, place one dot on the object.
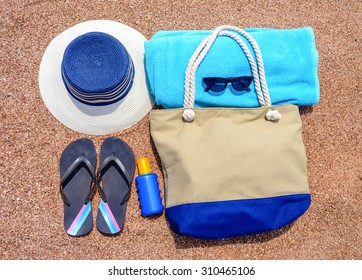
(201, 52)
(190, 88)
(203, 49)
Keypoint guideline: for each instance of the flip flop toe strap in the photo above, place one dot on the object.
(109, 161)
(71, 171)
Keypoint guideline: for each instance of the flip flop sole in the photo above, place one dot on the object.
(111, 214)
(78, 219)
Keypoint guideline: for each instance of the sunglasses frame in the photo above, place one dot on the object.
(226, 81)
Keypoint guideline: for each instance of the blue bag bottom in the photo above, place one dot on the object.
(223, 219)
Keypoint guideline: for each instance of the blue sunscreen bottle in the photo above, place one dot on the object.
(148, 191)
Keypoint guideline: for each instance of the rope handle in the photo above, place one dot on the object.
(204, 48)
(200, 53)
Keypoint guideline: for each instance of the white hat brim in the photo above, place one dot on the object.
(95, 120)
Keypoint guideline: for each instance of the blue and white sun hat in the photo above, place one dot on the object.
(92, 77)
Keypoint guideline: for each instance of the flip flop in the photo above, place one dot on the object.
(77, 172)
(116, 172)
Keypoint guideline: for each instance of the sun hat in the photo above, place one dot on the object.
(92, 77)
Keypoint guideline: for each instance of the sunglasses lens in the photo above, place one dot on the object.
(241, 84)
(216, 84)
(218, 87)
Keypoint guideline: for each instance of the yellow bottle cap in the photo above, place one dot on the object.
(143, 166)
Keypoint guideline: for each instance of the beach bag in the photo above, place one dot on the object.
(231, 171)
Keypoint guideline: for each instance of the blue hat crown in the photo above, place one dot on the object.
(97, 69)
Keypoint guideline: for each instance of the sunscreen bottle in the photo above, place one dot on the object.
(147, 188)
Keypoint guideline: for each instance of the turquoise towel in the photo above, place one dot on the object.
(290, 59)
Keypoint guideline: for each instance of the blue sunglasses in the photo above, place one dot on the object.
(217, 84)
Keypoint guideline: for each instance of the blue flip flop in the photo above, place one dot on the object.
(115, 175)
(77, 172)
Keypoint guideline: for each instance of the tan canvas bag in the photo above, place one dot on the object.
(231, 171)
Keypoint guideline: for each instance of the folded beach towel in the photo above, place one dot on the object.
(290, 60)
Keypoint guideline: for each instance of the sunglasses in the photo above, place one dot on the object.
(217, 84)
